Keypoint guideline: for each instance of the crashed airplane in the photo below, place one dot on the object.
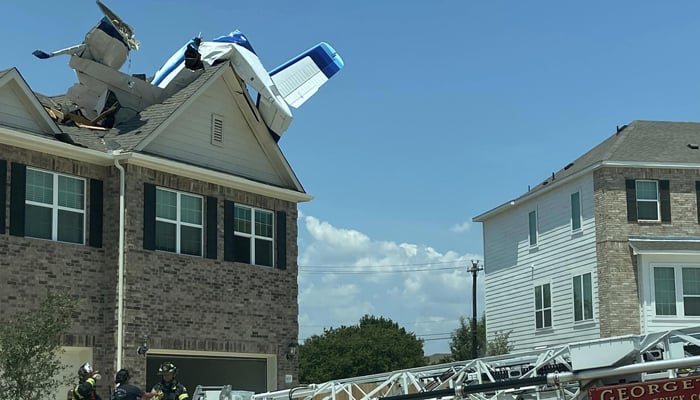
(105, 96)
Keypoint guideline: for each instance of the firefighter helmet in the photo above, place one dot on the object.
(85, 371)
(167, 368)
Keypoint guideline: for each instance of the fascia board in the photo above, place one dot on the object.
(217, 178)
(54, 147)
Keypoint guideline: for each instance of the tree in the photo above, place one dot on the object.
(461, 343)
(373, 346)
(29, 349)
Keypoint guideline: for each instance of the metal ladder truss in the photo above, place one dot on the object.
(563, 372)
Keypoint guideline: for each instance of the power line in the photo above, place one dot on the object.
(302, 271)
(385, 265)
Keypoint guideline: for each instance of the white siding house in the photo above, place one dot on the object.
(607, 246)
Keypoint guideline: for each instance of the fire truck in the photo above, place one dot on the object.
(658, 366)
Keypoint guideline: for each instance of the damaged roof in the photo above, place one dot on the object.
(125, 136)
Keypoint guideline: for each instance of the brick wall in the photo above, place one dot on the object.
(617, 269)
(182, 302)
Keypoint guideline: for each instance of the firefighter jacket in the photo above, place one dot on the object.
(85, 391)
(170, 390)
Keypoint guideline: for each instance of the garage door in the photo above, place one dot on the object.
(241, 373)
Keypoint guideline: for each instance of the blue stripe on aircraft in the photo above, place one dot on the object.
(236, 37)
(323, 55)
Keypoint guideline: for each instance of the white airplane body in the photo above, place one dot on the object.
(101, 86)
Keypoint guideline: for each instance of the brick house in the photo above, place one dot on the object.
(196, 195)
(609, 245)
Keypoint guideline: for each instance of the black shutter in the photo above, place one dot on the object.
(149, 216)
(211, 227)
(281, 239)
(96, 209)
(631, 189)
(3, 194)
(665, 201)
(697, 197)
(18, 176)
(228, 230)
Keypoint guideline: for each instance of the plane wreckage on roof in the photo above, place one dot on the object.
(105, 97)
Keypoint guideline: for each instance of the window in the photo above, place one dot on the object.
(575, 211)
(178, 222)
(54, 206)
(533, 227)
(583, 297)
(253, 236)
(677, 300)
(648, 200)
(543, 306)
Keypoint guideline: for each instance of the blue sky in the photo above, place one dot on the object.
(444, 110)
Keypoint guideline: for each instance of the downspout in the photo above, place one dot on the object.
(120, 284)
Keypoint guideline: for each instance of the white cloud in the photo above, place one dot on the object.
(344, 274)
(461, 228)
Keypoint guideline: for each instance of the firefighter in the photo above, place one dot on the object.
(168, 388)
(126, 391)
(85, 389)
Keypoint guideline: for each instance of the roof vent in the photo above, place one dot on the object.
(217, 130)
(569, 165)
(693, 146)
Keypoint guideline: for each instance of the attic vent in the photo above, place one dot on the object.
(693, 146)
(217, 130)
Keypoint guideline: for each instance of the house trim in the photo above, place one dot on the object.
(219, 178)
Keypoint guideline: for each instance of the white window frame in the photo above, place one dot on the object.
(580, 211)
(638, 200)
(532, 241)
(583, 294)
(678, 289)
(544, 308)
(179, 223)
(55, 208)
(253, 236)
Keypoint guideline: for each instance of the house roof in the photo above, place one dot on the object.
(641, 143)
(129, 134)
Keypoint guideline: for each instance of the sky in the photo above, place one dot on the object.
(444, 110)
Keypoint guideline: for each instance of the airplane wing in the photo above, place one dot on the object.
(299, 78)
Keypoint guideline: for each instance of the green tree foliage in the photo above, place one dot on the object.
(30, 349)
(462, 339)
(373, 346)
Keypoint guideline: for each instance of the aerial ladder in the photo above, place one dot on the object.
(565, 372)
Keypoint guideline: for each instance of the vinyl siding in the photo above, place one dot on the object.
(189, 137)
(513, 267)
(13, 111)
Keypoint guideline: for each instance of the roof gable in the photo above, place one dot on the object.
(639, 144)
(20, 108)
(181, 129)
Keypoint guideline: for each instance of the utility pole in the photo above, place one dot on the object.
(474, 269)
